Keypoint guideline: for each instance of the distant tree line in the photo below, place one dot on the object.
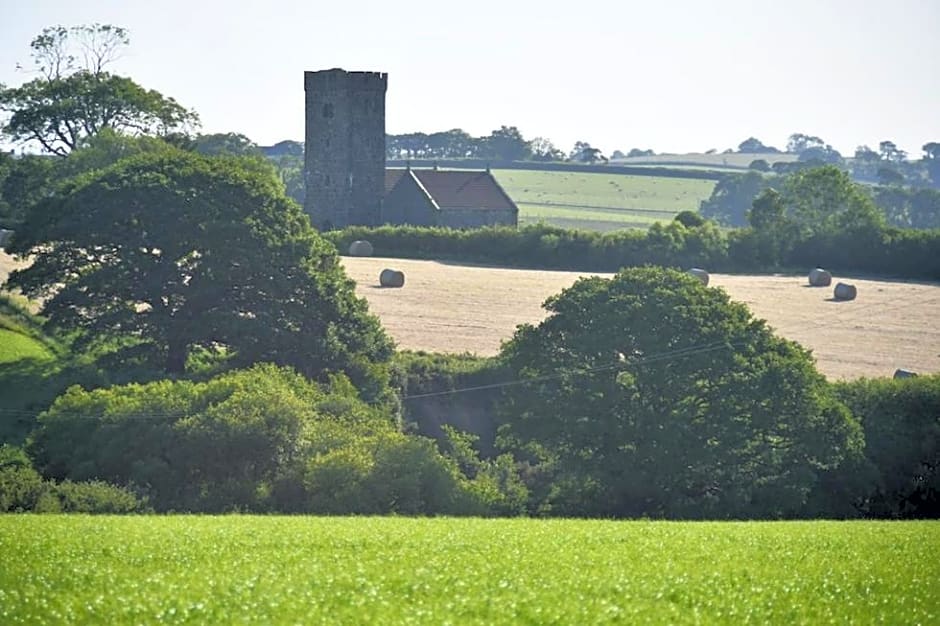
(903, 206)
(503, 144)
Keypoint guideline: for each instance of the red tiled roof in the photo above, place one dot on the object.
(457, 189)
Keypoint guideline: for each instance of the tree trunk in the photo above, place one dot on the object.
(177, 352)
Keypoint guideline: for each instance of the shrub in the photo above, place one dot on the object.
(21, 487)
(22, 490)
(96, 497)
(388, 473)
(690, 219)
(211, 446)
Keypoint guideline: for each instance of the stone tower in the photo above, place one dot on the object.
(344, 147)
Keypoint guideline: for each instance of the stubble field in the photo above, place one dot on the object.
(453, 308)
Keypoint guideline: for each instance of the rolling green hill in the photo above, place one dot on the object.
(596, 201)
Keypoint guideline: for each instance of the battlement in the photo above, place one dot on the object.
(341, 79)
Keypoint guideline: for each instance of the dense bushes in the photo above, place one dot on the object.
(885, 251)
(264, 439)
(548, 247)
(22, 490)
(899, 474)
(745, 430)
(427, 383)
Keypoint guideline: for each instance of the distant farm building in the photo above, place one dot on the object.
(344, 166)
(452, 198)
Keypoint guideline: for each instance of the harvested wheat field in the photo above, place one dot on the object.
(454, 308)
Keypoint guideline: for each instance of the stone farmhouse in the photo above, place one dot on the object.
(344, 166)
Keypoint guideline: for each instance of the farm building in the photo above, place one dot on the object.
(452, 198)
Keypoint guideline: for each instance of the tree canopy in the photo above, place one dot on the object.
(824, 199)
(651, 394)
(180, 250)
(74, 100)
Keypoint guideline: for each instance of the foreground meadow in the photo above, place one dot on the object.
(80, 569)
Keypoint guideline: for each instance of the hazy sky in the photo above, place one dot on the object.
(674, 75)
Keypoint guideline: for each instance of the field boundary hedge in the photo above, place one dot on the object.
(889, 252)
(630, 170)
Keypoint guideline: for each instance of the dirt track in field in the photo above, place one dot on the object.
(453, 308)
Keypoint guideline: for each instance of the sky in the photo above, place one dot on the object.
(674, 75)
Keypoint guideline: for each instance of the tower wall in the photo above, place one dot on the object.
(344, 147)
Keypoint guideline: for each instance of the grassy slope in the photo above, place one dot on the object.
(21, 334)
(78, 569)
(590, 200)
(15, 346)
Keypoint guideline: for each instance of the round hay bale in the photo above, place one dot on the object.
(360, 248)
(820, 278)
(701, 274)
(392, 278)
(844, 291)
(899, 373)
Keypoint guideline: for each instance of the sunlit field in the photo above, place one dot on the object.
(594, 201)
(189, 569)
(445, 307)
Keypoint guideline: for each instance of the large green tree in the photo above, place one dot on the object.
(651, 394)
(76, 97)
(181, 250)
(824, 199)
(732, 197)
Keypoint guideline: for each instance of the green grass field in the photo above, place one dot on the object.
(600, 201)
(190, 569)
(21, 335)
(15, 346)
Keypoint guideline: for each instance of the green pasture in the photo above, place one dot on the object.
(593, 199)
(286, 570)
(589, 219)
(21, 335)
(15, 346)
